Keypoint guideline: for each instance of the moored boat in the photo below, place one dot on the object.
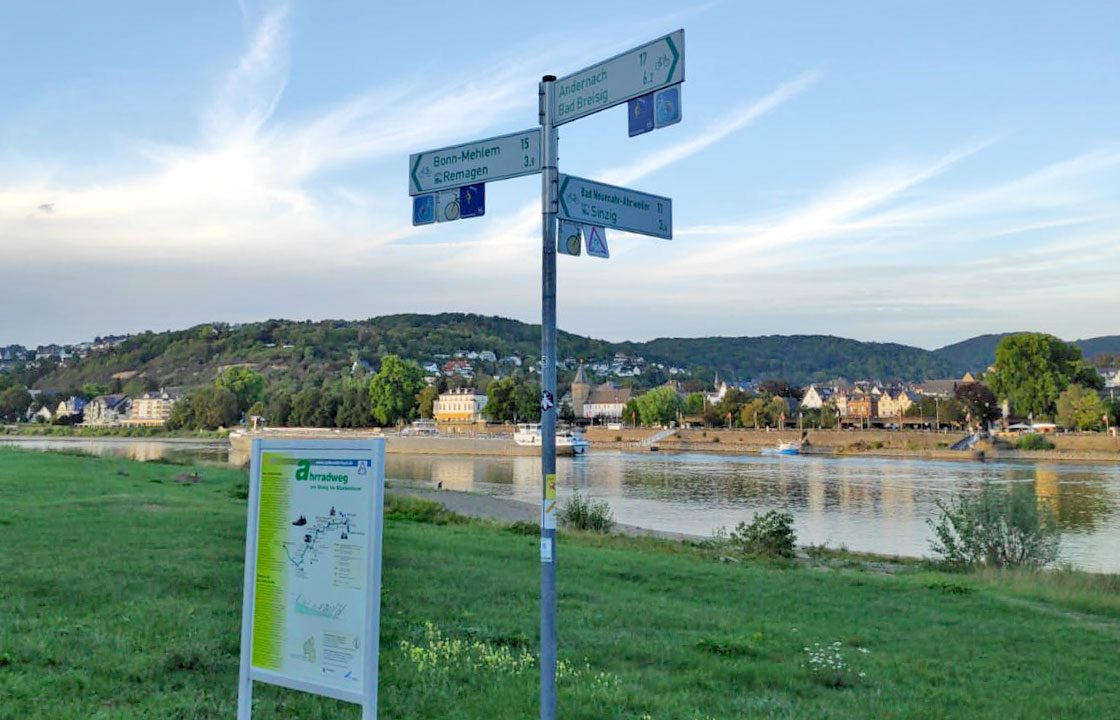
(529, 435)
(784, 448)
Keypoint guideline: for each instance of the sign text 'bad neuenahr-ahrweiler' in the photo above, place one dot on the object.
(481, 161)
(594, 203)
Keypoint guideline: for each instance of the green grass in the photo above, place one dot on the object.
(120, 597)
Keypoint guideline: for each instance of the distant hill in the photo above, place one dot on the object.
(1096, 346)
(972, 355)
(294, 353)
(976, 354)
(801, 359)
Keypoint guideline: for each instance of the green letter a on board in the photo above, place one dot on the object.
(303, 469)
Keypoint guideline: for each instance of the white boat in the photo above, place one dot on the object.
(529, 434)
(784, 448)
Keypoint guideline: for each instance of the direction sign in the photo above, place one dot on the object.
(495, 158)
(646, 68)
(594, 203)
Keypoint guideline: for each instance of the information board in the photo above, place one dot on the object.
(313, 569)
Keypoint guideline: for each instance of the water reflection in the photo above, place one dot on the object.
(870, 504)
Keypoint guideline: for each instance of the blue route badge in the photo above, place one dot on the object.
(472, 201)
(667, 106)
(423, 209)
(640, 112)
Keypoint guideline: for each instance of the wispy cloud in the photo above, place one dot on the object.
(729, 124)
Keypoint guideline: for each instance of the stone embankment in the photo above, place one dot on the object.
(1091, 447)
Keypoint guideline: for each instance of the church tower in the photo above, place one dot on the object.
(581, 390)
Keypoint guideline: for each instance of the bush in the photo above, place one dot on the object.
(769, 535)
(404, 507)
(996, 527)
(1035, 441)
(586, 514)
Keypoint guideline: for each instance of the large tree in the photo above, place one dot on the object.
(393, 390)
(659, 406)
(247, 385)
(979, 402)
(14, 403)
(1080, 409)
(1032, 370)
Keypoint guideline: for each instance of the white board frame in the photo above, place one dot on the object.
(367, 698)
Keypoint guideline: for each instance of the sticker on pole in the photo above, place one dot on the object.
(447, 205)
(547, 401)
(472, 200)
(667, 106)
(639, 111)
(423, 209)
(597, 242)
(569, 238)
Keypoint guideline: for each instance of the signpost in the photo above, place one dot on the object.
(312, 596)
(595, 203)
(654, 69)
(496, 158)
(646, 68)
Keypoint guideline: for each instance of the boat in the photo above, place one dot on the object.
(792, 447)
(529, 435)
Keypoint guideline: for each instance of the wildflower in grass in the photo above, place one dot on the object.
(827, 665)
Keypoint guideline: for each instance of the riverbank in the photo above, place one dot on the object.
(1068, 447)
(648, 627)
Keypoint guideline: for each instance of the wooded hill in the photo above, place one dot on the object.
(294, 353)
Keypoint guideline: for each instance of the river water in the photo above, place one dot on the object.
(867, 504)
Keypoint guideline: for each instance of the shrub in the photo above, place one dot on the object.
(1035, 441)
(769, 535)
(404, 507)
(996, 527)
(586, 514)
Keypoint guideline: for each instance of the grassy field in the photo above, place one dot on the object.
(120, 597)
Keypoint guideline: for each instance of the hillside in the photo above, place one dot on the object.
(294, 353)
(976, 354)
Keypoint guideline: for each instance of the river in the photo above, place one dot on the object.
(878, 505)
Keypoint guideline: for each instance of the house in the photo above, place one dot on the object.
(107, 410)
(43, 415)
(862, 405)
(893, 403)
(73, 405)
(512, 360)
(151, 408)
(606, 403)
(816, 397)
(459, 406)
(944, 388)
(488, 356)
(360, 366)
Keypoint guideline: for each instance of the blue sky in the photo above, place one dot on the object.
(906, 172)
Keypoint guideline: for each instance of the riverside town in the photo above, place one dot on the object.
(649, 400)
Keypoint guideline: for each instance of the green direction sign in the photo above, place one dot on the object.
(646, 68)
(482, 161)
(595, 203)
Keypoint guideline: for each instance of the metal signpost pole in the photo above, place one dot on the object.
(548, 399)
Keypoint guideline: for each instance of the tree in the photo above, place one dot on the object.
(978, 401)
(631, 414)
(659, 406)
(393, 390)
(500, 405)
(92, 390)
(1080, 409)
(426, 401)
(694, 403)
(247, 385)
(781, 388)
(14, 403)
(207, 408)
(354, 409)
(1032, 369)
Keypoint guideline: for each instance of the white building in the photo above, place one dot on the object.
(460, 406)
(816, 397)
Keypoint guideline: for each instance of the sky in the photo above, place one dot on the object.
(899, 172)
